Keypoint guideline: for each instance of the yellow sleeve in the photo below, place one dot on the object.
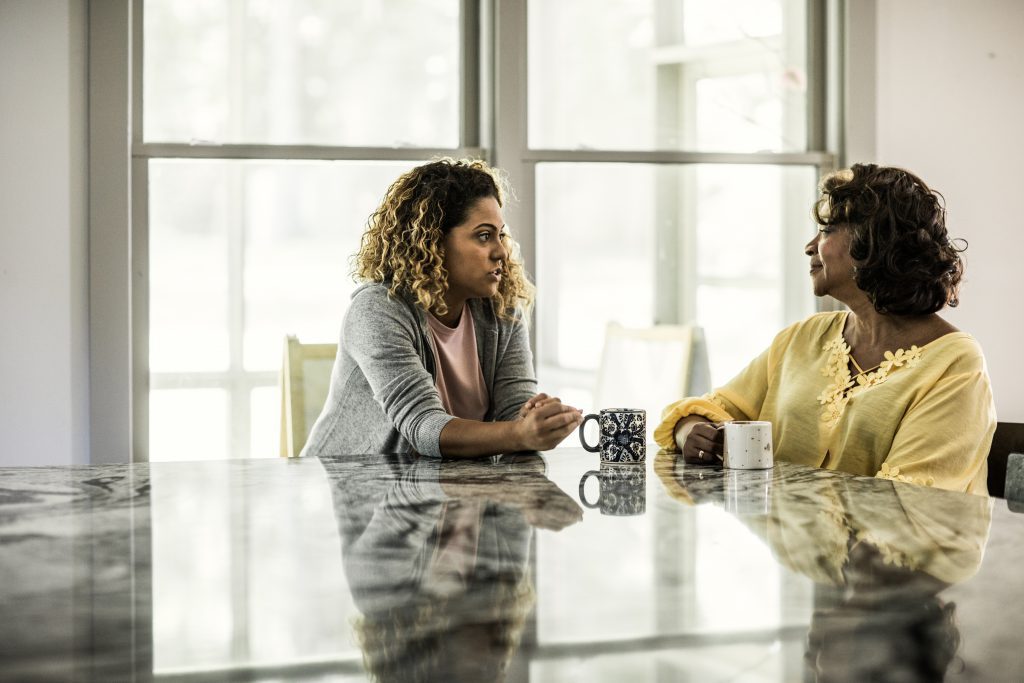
(704, 406)
(740, 399)
(944, 438)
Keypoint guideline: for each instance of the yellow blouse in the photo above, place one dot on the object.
(924, 416)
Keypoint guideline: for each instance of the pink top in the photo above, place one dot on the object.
(455, 554)
(460, 381)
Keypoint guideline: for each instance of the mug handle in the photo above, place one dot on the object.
(583, 494)
(583, 439)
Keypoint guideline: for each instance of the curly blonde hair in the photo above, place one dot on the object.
(403, 242)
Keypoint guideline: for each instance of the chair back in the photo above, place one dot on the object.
(305, 380)
(1009, 438)
(1015, 481)
(651, 367)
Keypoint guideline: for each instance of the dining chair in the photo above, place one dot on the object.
(651, 367)
(1015, 478)
(305, 379)
(1009, 438)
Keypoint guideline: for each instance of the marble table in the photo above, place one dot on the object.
(391, 568)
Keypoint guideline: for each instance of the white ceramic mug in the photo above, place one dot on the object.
(748, 445)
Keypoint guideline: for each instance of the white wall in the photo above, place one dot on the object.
(44, 404)
(950, 92)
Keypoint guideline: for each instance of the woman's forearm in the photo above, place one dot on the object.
(542, 424)
(469, 438)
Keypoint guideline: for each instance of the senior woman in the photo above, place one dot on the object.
(434, 356)
(887, 388)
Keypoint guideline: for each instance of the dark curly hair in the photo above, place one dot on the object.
(906, 262)
(403, 242)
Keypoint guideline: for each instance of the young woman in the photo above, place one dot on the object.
(434, 356)
(887, 388)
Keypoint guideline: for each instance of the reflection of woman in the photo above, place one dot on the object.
(434, 355)
(879, 555)
(888, 388)
(875, 538)
(911, 637)
(437, 560)
(880, 558)
(816, 522)
(464, 618)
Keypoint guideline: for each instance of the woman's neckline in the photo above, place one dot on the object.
(458, 321)
(846, 318)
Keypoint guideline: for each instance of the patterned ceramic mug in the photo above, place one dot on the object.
(623, 437)
(621, 490)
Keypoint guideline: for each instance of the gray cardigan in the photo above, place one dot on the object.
(383, 397)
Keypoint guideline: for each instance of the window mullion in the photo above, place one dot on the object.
(238, 394)
(470, 87)
(236, 306)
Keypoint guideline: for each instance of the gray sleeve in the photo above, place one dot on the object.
(514, 379)
(382, 337)
(410, 507)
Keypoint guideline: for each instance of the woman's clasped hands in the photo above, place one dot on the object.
(544, 421)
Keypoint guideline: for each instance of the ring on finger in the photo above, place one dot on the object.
(700, 454)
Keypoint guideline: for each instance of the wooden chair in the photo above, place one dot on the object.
(1009, 438)
(305, 379)
(651, 367)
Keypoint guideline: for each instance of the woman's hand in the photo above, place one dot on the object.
(541, 425)
(544, 421)
(534, 400)
(700, 440)
(548, 507)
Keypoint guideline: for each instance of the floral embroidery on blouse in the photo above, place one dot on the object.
(836, 534)
(893, 474)
(714, 399)
(890, 556)
(837, 366)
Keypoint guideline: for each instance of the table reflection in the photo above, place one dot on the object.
(384, 568)
(878, 552)
(437, 558)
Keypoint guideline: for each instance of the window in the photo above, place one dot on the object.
(722, 235)
(360, 73)
(669, 145)
(243, 252)
(270, 132)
